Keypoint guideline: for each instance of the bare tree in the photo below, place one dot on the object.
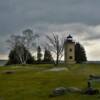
(15, 40)
(22, 43)
(18, 49)
(56, 45)
(29, 38)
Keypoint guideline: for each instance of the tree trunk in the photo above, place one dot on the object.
(57, 59)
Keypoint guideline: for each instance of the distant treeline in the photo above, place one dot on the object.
(23, 46)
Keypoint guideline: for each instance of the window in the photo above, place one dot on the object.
(70, 50)
(70, 57)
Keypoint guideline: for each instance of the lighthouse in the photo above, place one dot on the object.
(69, 50)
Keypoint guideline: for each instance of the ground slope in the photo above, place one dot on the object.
(35, 82)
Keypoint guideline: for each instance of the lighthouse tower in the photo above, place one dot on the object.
(69, 50)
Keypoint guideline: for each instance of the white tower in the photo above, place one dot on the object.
(69, 50)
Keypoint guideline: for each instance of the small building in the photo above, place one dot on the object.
(69, 50)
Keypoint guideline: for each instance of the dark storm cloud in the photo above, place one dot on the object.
(97, 37)
(46, 16)
(17, 14)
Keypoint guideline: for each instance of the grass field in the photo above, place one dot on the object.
(34, 82)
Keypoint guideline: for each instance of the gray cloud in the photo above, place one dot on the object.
(97, 37)
(18, 14)
(78, 17)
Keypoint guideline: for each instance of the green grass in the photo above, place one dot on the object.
(32, 82)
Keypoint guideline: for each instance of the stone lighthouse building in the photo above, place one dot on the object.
(69, 50)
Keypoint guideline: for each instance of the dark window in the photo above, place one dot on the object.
(70, 57)
(70, 50)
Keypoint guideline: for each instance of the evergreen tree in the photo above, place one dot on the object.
(20, 55)
(39, 55)
(21, 46)
(47, 57)
(80, 55)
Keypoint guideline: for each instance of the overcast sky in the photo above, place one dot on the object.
(81, 18)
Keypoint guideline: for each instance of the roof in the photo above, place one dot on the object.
(69, 36)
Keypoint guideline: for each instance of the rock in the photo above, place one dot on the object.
(91, 91)
(74, 89)
(9, 72)
(94, 78)
(58, 91)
